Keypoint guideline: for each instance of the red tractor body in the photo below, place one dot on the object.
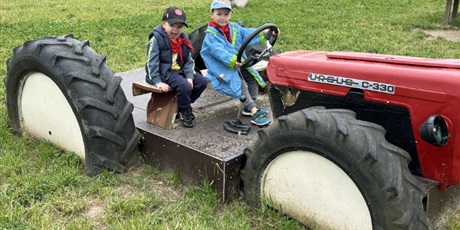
(398, 92)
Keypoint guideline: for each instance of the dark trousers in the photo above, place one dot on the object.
(184, 92)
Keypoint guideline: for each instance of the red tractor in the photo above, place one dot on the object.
(379, 127)
(359, 141)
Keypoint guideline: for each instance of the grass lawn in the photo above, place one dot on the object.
(42, 187)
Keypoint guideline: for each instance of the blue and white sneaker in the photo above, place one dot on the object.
(248, 112)
(260, 118)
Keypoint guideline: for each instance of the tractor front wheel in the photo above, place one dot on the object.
(327, 169)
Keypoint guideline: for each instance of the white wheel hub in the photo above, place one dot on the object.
(46, 114)
(314, 191)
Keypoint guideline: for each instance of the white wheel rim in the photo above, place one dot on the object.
(314, 191)
(45, 114)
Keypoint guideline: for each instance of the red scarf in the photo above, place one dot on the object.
(176, 46)
(225, 31)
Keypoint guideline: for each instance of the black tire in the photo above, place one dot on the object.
(378, 169)
(92, 92)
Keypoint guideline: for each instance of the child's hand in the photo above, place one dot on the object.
(164, 87)
(238, 64)
(190, 81)
(275, 33)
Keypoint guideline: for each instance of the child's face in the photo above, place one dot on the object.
(173, 30)
(221, 16)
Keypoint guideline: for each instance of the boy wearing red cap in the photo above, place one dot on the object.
(170, 65)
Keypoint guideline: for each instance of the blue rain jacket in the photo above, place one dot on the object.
(219, 57)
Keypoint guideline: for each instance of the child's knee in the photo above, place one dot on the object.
(201, 82)
(184, 88)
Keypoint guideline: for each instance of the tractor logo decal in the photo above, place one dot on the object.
(353, 83)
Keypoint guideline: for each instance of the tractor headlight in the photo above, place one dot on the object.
(434, 130)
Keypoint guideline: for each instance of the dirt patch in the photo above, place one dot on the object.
(127, 191)
(450, 35)
(96, 213)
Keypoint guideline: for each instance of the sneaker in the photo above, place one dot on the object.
(191, 114)
(260, 118)
(249, 114)
(185, 118)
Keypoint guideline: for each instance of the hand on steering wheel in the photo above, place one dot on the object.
(270, 35)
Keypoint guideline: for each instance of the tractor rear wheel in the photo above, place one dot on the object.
(327, 169)
(60, 90)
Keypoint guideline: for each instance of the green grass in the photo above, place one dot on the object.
(42, 187)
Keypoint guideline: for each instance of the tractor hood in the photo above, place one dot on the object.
(338, 72)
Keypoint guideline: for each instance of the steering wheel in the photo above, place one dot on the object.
(270, 36)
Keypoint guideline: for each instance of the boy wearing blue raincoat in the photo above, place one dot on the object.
(219, 51)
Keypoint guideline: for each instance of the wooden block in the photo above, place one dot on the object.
(140, 88)
(162, 106)
(162, 109)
